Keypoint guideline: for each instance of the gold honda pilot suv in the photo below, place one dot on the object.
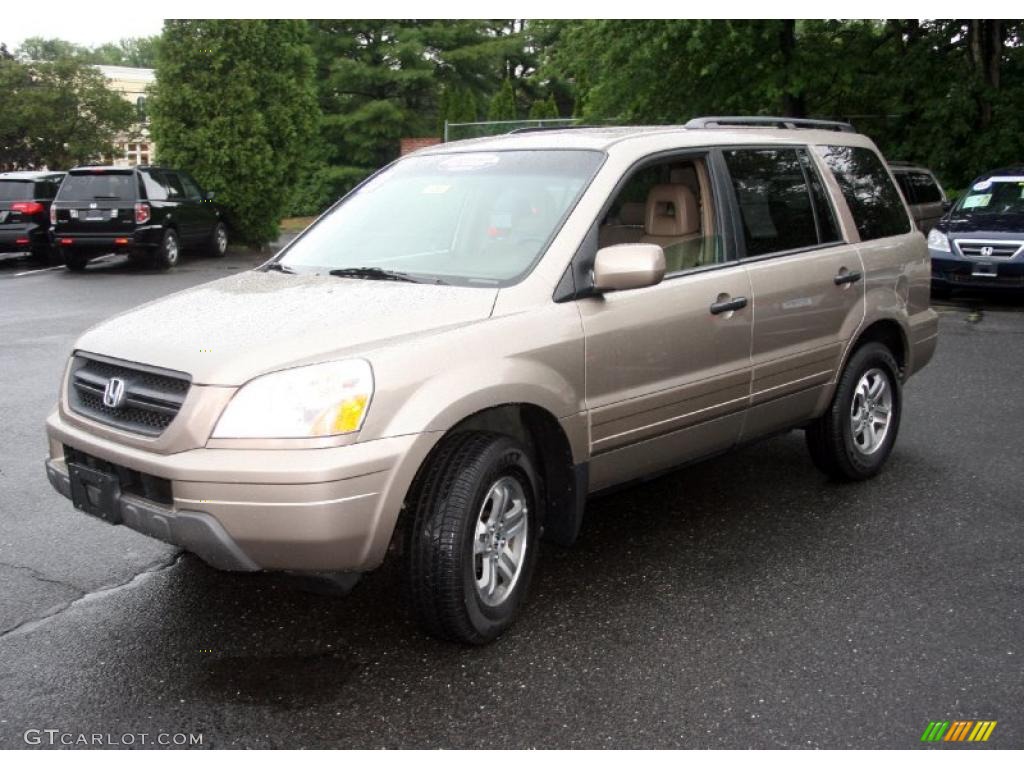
(451, 358)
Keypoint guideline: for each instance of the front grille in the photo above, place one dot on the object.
(151, 396)
(989, 249)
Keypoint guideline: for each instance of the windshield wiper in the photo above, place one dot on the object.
(277, 266)
(377, 273)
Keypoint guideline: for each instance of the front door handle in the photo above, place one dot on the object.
(728, 305)
(843, 278)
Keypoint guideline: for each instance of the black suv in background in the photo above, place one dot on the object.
(147, 212)
(25, 198)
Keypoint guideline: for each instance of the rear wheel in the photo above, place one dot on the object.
(854, 437)
(472, 543)
(167, 254)
(218, 244)
(73, 260)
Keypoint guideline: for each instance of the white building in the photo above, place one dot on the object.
(132, 83)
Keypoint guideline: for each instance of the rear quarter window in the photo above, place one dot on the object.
(876, 206)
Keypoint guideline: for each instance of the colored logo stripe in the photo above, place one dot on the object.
(958, 730)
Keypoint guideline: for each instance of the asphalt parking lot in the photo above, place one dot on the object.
(745, 602)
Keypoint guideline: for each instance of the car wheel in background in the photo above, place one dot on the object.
(854, 437)
(472, 542)
(169, 252)
(218, 244)
(73, 260)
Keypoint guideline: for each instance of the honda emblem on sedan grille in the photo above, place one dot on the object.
(113, 393)
(987, 250)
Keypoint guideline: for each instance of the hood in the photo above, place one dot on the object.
(963, 223)
(228, 331)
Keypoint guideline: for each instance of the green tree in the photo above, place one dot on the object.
(58, 114)
(503, 103)
(235, 104)
(128, 52)
(948, 93)
(544, 109)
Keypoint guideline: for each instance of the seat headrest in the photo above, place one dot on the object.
(632, 214)
(685, 174)
(671, 211)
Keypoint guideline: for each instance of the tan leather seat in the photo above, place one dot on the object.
(628, 229)
(672, 221)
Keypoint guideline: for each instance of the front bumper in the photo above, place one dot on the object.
(949, 270)
(320, 509)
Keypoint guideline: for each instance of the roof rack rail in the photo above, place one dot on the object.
(535, 128)
(754, 121)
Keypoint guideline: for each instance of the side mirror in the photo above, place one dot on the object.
(210, 195)
(632, 265)
(947, 206)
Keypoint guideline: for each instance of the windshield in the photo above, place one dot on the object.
(471, 218)
(98, 186)
(998, 195)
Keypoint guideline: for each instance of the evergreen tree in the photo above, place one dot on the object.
(503, 103)
(235, 105)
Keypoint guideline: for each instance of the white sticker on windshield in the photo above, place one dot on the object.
(977, 201)
(471, 161)
(436, 189)
(982, 185)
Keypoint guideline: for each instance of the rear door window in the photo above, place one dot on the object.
(190, 187)
(876, 206)
(99, 186)
(774, 200)
(175, 191)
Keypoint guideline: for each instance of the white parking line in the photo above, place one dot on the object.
(36, 271)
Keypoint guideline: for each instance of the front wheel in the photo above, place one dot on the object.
(854, 437)
(472, 542)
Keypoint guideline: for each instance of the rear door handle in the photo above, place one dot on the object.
(846, 277)
(728, 305)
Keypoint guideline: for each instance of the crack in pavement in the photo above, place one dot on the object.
(35, 622)
(40, 576)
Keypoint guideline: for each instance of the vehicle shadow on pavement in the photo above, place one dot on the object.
(680, 544)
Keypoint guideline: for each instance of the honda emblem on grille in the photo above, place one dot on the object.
(113, 393)
(987, 250)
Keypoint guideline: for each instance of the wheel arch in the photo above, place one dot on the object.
(563, 483)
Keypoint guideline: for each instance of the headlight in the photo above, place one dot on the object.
(311, 401)
(938, 240)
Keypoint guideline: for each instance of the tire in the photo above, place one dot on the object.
(848, 442)
(169, 252)
(73, 260)
(217, 245)
(449, 565)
